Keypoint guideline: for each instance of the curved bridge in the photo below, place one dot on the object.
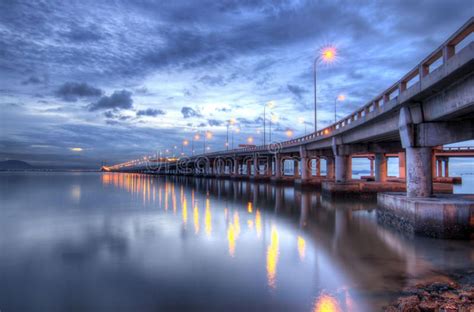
(432, 105)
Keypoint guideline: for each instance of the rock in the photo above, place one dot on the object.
(391, 309)
(428, 306)
(408, 304)
(449, 307)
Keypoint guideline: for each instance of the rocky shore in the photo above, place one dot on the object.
(436, 297)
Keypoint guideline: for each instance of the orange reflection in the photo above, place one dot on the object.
(231, 237)
(301, 247)
(258, 223)
(196, 219)
(208, 218)
(249, 207)
(272, 258)
(326, 303)
(250, 224)
(185, 211)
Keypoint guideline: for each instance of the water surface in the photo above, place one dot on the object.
(92, 241)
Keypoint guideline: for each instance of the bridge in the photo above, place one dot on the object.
(432, 105)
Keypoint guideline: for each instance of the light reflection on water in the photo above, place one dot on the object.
(103, 241)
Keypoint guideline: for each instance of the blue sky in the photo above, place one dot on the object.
(119, 79)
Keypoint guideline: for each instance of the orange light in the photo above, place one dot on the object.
(250, 140)
(197, 137)
(185, 142)
(341, 97)
(328, 54)
(289, 133)
(208, 135)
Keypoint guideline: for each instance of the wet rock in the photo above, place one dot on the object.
(408, 304)
(428, 306)
(449, 307)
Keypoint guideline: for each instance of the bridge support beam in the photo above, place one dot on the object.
(342, 168)
(446, 167)
(330, 167)
(318, 166)
(296, 168)
(235, 168)
(380, 167)
(278, 166)
(255, 165)
(419, 173)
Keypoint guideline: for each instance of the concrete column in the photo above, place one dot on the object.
(236, 166)
(318, 166)
(433, 166)
(305, 173)
(268, 168)
(401, 165)
(439, 161)
(278, 166)
(349, 168)
(330, 167)
(380, 167)
(249, 167)
(296, 164)
(255, 165)
(371, 166)
(446, 167)
(419, 171)
(341, 168)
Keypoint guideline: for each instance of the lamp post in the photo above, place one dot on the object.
(327, 55)
(340, 97)
(208, 136)
(185, 143)
(270, 105)
(196, 137)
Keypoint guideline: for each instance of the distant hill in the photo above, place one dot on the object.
(15, 165)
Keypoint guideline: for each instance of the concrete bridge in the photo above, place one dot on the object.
(432, 105)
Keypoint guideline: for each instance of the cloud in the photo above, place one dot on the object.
(83, 34)
(118, 100)
(189, 112)
(297, 91)
(214, 122)
(32, 80)
(150, 112)
(71, 91)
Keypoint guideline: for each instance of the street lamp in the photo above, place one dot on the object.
(273, 118)
(340, 97)
(289, 133)
(250, 140)
(208, 136)
(270, 105)
(230, 122)
(195, 138)
(303, 122)
(327, 55)
(185, 143)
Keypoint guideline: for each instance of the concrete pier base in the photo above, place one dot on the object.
(282, 180)
(313, 183)
(440, 216)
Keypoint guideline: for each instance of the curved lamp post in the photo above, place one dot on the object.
(327, 55)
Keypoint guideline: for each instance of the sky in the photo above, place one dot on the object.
(82, 82)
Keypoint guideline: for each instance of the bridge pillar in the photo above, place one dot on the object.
(401, 165)
(318, 166)
(371, 159)
(380, 167)
(305, 168)
(446, 167)
(419, 171)
(268, 168)
(248, 167)
(296, 169)
(278, 166)
(330, 167)
(342, 165)
(255, 165)
(236, 170)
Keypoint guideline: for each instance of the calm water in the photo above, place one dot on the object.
(91, 241)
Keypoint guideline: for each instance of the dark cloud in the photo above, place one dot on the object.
(83, 34)
(118, 100)
(297, 91)
(189, 112)
(32, 80)
(150, 112)
(71, 91)
(214, 122)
